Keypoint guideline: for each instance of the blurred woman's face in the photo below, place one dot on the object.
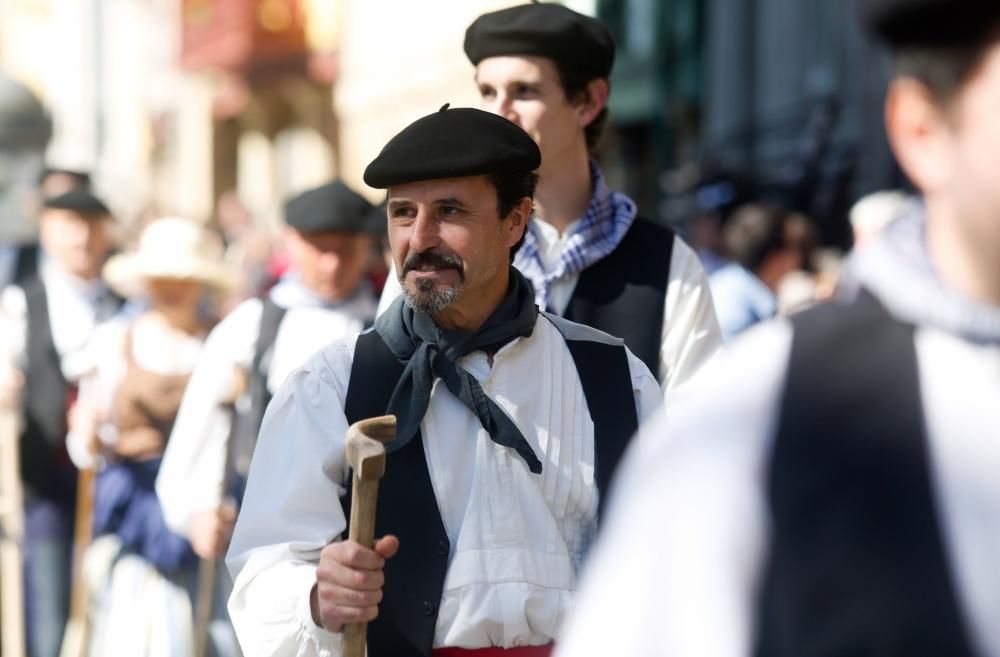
(174, 294)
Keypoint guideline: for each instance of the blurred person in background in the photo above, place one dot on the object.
(25, 129)
(324, 296)
(247, 248)
(21, 259)
(874, 212)
(845, 499)
(590, 258)
(764, 244)
(142, 573)
(49, 320)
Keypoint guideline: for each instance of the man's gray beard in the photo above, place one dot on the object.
(430, 301)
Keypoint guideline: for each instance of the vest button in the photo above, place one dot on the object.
(428, 608)
(443, 548)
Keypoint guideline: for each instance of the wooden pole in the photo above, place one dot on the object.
(12, 628)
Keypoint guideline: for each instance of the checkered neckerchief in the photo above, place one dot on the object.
(608, 218)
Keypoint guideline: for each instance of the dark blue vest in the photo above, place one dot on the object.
(624, 293)
(857, 565)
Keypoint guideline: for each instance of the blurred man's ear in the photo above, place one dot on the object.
(593, 101)
(919, 130)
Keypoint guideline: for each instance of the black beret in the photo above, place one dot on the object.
(77, 200)
(453, 143)
(331, 207)
(903, 23)
(577, 42)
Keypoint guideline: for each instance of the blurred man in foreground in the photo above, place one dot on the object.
(845, 499)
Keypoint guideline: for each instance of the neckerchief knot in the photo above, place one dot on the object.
(430, 352)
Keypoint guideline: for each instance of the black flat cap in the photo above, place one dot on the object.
(579, 43)
(330, 207)
(77, 200)
(904, 23)
(453, 143)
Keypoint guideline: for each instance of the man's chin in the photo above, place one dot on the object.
(430, 299)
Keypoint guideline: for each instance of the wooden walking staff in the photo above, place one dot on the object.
(366, 455)
(12, 639)
(208, 568)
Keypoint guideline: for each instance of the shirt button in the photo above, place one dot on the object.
(443, 548)
(428, 609)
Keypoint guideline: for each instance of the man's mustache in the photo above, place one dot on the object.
(430, 261)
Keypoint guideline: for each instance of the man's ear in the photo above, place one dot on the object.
(519, 217)
(593, 101)
(919, 130)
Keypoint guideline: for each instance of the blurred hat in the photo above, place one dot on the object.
(453, 143)
(331, 207)
(175, 248)
(931, 22)
(579, 43)
(78, 200)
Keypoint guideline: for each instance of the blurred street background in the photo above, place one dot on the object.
(190, 106)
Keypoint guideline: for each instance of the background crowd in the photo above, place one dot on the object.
(166, 197)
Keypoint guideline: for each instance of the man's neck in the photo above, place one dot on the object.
(564, 190)
(475, 308)
(967, 261)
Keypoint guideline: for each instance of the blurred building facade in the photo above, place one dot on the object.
(174, 103)
(783, 95)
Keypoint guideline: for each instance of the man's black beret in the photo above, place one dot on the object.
(331, 207)
(78, 200)
(577, 42)
(905, 23)
(453, 143)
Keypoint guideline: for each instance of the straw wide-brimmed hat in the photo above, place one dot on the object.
(171, 247)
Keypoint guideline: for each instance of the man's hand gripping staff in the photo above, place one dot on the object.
(349, 577)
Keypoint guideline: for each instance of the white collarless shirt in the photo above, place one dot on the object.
(517, 538)
(75, 308)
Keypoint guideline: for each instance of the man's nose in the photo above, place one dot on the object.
(501, 104)
(425, 233)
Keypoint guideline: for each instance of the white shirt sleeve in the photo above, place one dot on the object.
(106, 354)
(291, 511)
(691, 334)
(676, 568)
(647, 390)
(190, 477)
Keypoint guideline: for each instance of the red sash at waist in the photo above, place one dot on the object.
(523, 651)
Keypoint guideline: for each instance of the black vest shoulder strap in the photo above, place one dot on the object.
(271, 317)
(46, 392)
(624, 294)
(857, 563)
(602, 364)
(26, 266)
